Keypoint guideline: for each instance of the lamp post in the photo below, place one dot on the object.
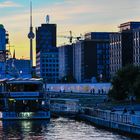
(45, 80)
(20, 73)
(101, 77)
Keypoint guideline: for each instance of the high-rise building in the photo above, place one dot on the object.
(3, 42)
(136, 47)
(3, 38)
(65, 61)
(47, 52)
(123, 46)
(91, 57)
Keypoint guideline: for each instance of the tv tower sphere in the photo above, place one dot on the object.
(31, 35)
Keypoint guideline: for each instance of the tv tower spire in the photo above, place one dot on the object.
(31, 37)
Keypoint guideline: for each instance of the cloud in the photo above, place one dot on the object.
(8, 4)
(80, 16)
(74, 12)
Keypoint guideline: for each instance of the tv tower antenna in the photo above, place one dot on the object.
(31, 36)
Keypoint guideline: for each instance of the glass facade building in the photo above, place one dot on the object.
(124, 46)
(47, 53)
(65, 61)
(91, 57)
(136, 46)
(3, 42)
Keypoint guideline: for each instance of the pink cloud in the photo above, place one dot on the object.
(7, 4)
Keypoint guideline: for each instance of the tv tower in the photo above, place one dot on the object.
(31, 36)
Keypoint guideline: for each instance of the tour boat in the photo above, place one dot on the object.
(23, 99)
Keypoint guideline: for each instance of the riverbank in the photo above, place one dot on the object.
(131, 130)
(85, 99)
(118, 121)
(97, 110)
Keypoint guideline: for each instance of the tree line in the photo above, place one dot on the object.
(126, 83)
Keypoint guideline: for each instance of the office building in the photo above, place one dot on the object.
(3, 42)
(136, 47)
(123, 46)
(47, 53)
(91, 57)
(65, 61)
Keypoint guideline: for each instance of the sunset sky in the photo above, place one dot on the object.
(80, 16)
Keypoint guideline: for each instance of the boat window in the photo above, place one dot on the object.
(24, 105)
(24, 87)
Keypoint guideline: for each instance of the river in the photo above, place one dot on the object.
(55, 129)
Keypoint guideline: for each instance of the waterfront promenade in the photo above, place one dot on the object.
(100, 88)
(95, 109)
(120, 122)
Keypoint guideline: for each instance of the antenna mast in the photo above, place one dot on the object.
(31, 37)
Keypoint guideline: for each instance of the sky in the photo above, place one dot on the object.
(79, 16)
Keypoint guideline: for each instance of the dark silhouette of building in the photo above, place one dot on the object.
(47, 52)
(136, 47)
(65, 61)
(91, 57)
(3, 53)
(18, 68)
(122, 46)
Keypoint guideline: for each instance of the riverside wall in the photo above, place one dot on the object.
(80, 88)
(124, 123)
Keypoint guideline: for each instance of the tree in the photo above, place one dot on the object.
(68, 79)
(124, 82)
(137, 87)
(118, 91)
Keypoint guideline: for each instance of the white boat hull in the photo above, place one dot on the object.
(25, 115)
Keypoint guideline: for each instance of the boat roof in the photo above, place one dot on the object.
(22, 80)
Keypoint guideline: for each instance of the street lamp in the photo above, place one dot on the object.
(20, 72)
(101, 77)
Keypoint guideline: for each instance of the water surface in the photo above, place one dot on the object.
(55, 129)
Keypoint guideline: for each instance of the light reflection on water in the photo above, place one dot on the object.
(56, 129)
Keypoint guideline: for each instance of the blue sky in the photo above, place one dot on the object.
(80, 16)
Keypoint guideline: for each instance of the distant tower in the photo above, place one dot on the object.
(14, 55)
(31, 36)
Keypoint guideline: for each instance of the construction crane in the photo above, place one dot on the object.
(70, 37)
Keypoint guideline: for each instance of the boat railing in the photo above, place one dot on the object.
(25, 114)
(4, 94)
(24, 94)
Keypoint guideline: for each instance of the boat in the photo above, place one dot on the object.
(64, 107)
(22, 99)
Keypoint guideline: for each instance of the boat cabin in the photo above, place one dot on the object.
(23, 95)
